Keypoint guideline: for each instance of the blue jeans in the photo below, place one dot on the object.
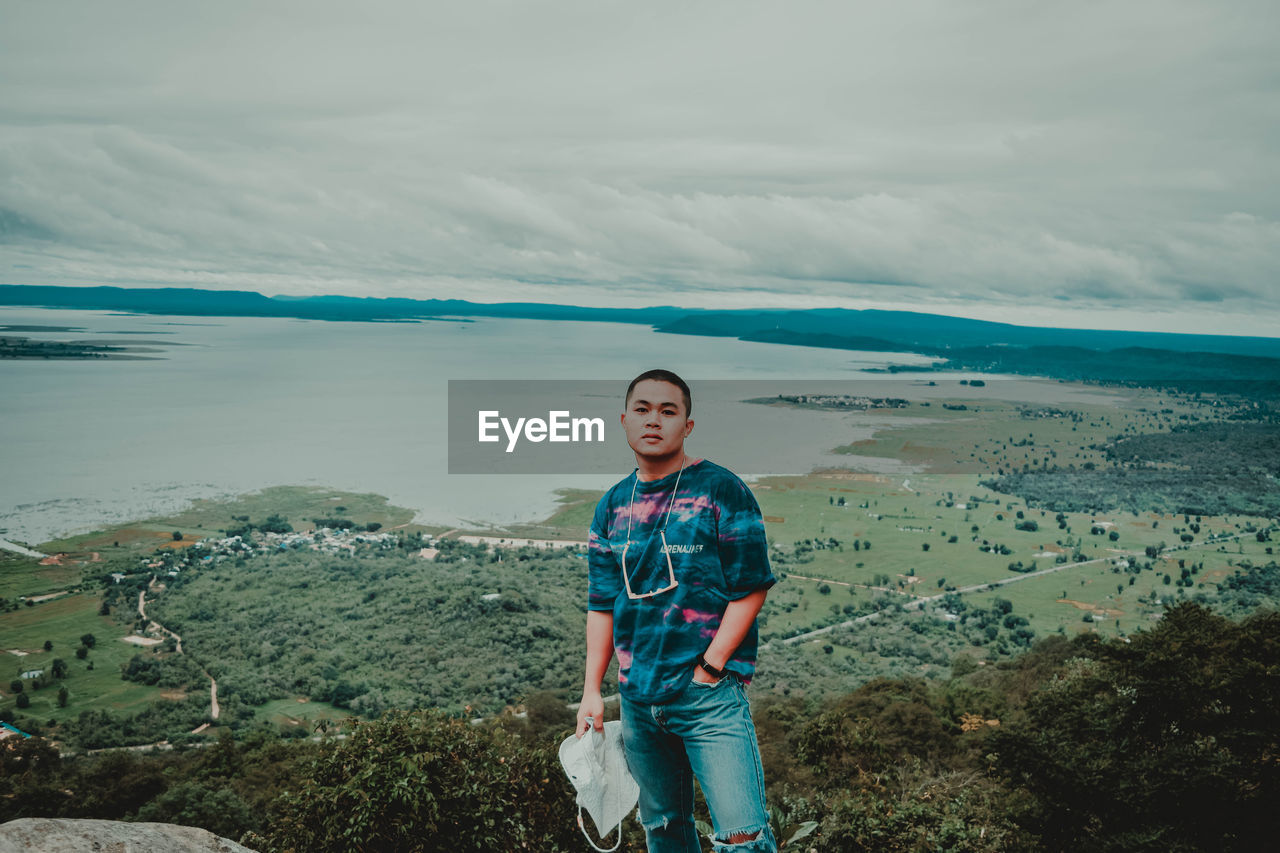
(704, 732)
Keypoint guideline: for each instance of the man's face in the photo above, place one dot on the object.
(655, 420)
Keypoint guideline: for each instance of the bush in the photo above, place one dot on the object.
(415, 778)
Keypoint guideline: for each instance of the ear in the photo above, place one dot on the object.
(688, 427)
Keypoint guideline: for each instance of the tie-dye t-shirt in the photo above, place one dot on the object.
(716, 541)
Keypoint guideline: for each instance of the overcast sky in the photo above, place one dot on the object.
(1106, 164)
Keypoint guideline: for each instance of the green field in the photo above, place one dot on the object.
(21, 576)
(62, 621)
(301, 712)
(898, 523)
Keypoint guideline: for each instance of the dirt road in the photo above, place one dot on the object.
(153, 625)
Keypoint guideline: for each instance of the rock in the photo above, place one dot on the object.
(60, 835)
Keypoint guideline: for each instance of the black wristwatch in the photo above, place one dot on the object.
(711, 670)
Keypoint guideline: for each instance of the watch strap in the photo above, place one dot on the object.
(711, 670)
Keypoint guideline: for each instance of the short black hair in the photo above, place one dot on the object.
(663, 376)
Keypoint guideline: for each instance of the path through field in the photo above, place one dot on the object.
(153, 625)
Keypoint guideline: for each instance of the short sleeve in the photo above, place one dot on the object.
(744, 552)
(604, 577)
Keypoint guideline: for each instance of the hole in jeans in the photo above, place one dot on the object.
(755, 838)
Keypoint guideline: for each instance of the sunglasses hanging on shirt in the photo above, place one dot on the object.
(662, 535)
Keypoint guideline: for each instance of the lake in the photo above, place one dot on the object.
(231, 405)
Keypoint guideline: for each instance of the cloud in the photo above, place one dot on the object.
(987, 153)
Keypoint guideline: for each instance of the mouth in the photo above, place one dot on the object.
(652, 435)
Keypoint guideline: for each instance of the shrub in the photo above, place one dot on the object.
(413, 776)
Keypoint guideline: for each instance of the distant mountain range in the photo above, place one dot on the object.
(247, 303)
(1158, 358)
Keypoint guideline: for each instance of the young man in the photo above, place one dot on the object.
(678, 570)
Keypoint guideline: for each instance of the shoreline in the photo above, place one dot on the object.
(166, 509)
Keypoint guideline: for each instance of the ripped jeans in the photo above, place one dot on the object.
(705, 732)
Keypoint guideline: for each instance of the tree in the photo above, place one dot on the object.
(59, 668)
(276, 524)
(24, 701)
(48, 645)
(1125, 733)
(219, 810)
(82, 652)
(547, 713)
(15, 686)
(177, 536)
(62, 697)
(924, 546)
(88, 639)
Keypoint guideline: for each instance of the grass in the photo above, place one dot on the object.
(299, 711)
(904, 512)
(63, 621)
(21, 575)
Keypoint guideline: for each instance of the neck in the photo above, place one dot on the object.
(655, 469)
